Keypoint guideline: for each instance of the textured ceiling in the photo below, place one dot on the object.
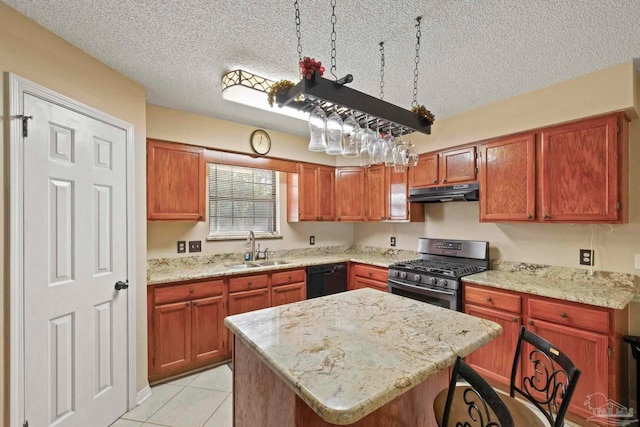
(473, 52)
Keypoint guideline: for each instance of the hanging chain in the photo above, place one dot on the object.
(415, 72)
(333, 39)
(298, 35)
(381, 70)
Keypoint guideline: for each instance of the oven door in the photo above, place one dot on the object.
(440, 297)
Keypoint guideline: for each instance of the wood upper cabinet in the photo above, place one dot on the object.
(311, 193)
(350, 197)
(508, 179)
(187, 327)
(425, 174)
(457, 166)
(579, 165)
(176, 182)
(376, 194)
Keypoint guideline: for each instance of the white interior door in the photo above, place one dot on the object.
(75, 250)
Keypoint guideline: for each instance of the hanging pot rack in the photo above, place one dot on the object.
(369, 111)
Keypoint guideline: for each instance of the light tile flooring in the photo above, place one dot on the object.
(199, 400)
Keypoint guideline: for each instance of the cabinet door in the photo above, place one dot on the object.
(495, 359)
(308, 192)
(172, 336)
(360, 283)
(350, 194)
(242, 302)
(376, 194)
(579, 166)
(425, 174)
(176, 186)
(398, 208)
(326, 193)
(508, 179)
(207, 328)
(458, 166)
(587, 350)
(287, 294)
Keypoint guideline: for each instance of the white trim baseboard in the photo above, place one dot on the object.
(143, 395)
(18, 87)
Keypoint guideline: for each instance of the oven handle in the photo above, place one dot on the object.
(418, 288)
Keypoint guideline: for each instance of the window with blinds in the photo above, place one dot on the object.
(242, 200)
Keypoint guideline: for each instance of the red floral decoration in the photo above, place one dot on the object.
(309, 66)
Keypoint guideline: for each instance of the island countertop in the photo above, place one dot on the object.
(348, 354)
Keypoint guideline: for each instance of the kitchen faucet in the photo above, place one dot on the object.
(252, 239)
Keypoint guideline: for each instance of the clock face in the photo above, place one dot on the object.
(260, 142)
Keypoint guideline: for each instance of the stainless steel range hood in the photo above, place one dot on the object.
(448, 193)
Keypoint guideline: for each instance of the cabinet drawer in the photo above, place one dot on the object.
(245, 283)
(493, 299)
(286, 277)
(373, 273)
(176, 293)
(565, 314)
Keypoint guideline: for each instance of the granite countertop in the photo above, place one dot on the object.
(348, 354)
(604, 289)
(167, 270)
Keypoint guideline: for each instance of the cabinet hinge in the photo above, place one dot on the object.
(609, 352)
(476, 169)
(618, 129)
(617, 206)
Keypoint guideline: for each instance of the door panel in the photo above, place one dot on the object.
(398, 207)
(376, 193)
(308, 181)
(172, 327)
(458, 166)
(287, 294)
(426, 173)
(326, 193)
(350, 194)
(207, 332)
(75, 250)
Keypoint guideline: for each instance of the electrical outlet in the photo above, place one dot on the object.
(182, 246)
(312, 240)
(637, 262)
(195, 246)
(587, 257)
(393, 241)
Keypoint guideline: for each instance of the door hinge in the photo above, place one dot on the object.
(25, 125)
(609, 352)
(26, 424)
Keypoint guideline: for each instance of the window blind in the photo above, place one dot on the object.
(241, 200)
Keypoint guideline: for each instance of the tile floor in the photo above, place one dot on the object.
(198, 400)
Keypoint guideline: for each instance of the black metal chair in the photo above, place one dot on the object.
(476, 404)
(551, 385)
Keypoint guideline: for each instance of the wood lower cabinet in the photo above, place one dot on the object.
(286, 294)
(508, 179)
(590, 336)
(176, 181)
(242, 302)
(311, 193)
(186, 327)
(350, 197)
(366, 276)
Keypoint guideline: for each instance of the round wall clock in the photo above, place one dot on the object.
(260, 142)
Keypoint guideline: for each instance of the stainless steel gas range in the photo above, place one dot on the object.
(435, 277)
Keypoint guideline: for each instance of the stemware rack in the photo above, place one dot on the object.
(368, 111)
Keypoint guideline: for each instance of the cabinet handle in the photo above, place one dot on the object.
(563, 315)
(250, 283)
(276, 290)
(435, 181)
(444, 180)
(265, 291)
(529, 216)
(290, 277)
(545, 216)
(195, 303)
(489, 299)
(514, 319)
(320, 217)
(370, 274)
(530, 322)
(187, 304)
(191, 290)
(339, 218)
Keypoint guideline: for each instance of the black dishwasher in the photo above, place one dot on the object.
(326, 280)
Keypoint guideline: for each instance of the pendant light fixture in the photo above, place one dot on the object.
(334, 98)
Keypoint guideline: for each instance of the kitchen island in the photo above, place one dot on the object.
(362, 358)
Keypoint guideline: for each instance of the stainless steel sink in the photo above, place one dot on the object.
(269, 263)
(243, 266)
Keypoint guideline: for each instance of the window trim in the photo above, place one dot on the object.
(243, 236)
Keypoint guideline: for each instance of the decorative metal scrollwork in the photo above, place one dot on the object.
(547, 387)
(478, 411)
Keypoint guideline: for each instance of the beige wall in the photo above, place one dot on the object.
(613, 89)
(34, 53)
(178, 126)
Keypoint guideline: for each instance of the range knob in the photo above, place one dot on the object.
(417, 278)
(442, 282)
(403, 275)
(394, 273)
(432, 280)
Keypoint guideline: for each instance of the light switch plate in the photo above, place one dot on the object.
(637, 261)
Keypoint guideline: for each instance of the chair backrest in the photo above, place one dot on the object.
(551, 379)
(484, 408)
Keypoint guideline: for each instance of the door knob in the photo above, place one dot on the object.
(120, 285)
